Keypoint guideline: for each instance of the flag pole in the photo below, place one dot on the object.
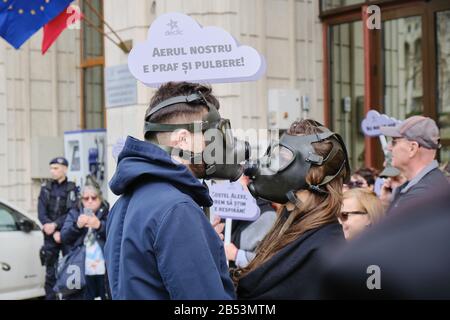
(121, 44)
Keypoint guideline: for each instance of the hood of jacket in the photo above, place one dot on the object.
(141, 160)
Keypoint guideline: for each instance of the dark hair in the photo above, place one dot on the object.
(317, 211)
(173, 89)
(368, 174)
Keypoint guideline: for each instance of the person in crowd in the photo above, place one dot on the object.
(56, 198)
(362, 178)
(87, 227)
(405, 256)
(392, 179)
(445, 168)
(246, 235)
(360, 209)
(304, 171)
(160, 244)
(414, 145)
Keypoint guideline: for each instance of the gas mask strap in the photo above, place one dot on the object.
(188, 155)
(292, 197)
(193, 158)
(291, 216)
(210, 169)
(166, 127)
(316, 189)
(322, 136)
(174, 100)
(333, 152)
(313, 157)
(328, 179)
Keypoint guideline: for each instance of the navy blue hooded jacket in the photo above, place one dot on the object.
(160, 244)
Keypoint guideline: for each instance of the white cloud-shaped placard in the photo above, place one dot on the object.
(179, 49)
(374, 120)
(232, 201)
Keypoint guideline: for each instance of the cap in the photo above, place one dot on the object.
(421, 129)
(60, 160)
(389, 172)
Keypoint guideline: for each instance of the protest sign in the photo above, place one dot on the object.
(232, 201)
(179, 49)
(374, 120)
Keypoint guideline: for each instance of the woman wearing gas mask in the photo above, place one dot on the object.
(305, 170)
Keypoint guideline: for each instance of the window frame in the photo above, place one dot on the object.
(373, 64)
(91, 62)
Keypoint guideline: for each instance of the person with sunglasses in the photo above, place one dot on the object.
(87, 226)
(362, 178)
(360, 209)
(414, 145)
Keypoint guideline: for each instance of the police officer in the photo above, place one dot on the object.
(56, 198)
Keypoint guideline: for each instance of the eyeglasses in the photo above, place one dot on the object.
(355, 184)
(394, 141)
(93, 198)
(343, 215)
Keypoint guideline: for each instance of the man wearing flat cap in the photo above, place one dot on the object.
(414, 145)
(56, 198)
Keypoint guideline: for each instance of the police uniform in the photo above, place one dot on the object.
(55, 201)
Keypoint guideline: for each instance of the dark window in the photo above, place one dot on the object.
(443, 75)
(338, 4)
(347, 87)
(92, 66)
(11, 220)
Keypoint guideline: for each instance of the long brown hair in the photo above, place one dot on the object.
(316, 211)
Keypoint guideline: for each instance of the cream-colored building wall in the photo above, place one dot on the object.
(287, 32)
(39, 97)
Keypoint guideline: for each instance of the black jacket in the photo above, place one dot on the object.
(433, 180)
(294, 272)
(55, 200)
(410, 250)
(71, 235)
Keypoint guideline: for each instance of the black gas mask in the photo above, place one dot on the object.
(223, 153)
(283, 169)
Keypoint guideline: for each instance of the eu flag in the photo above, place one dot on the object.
(20, 19)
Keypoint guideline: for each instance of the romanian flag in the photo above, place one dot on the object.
(53, 29)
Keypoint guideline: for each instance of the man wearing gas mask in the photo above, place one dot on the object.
(160, 244)
(305, 171)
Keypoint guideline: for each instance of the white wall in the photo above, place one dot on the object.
(39, 97)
